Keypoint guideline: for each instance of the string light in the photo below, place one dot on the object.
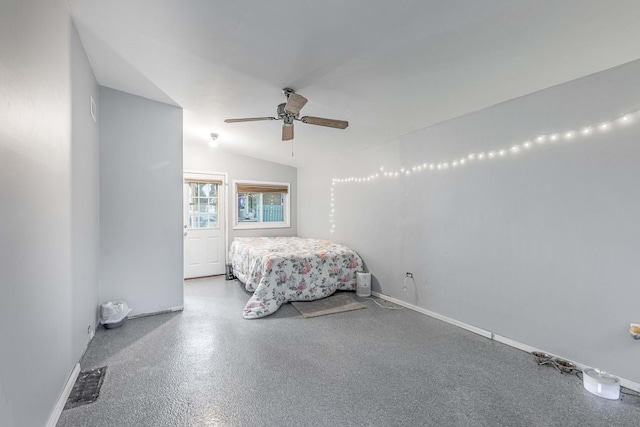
(331, 215)
(567, 135)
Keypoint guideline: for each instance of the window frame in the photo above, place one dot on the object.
(239, 225)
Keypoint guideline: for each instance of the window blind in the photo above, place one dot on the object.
(261, 188)
(202, 180)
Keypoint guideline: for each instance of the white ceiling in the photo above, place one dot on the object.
(388, 67)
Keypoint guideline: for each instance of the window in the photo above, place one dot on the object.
(261, 204)
(203, 204)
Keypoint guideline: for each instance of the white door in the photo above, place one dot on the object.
(204, 224)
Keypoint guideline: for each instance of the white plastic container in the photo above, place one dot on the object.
(601, 383)
(363, 284)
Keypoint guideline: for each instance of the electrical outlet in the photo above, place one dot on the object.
(409, 275)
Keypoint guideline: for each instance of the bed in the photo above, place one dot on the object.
(284, 269)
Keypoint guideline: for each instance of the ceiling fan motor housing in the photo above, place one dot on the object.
(281, 110)
(285, 115)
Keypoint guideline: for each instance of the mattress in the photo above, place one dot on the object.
(284, 269)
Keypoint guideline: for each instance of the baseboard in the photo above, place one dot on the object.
(520, 346)
(62, 400)
(153, 313)
(457, 323)
(524, 347)
(632, 385)
(92, 333)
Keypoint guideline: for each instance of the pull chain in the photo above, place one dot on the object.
(292, 148)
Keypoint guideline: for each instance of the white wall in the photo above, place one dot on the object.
(48, 287)
(541, 247)
(85, 197)
(203, 158)
(140, 202)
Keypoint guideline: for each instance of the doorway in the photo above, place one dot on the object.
(204, 225)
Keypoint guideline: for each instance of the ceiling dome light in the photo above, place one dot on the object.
(214, 137)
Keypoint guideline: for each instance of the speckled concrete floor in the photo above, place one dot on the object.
(207, 366)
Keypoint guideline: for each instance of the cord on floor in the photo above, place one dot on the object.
(385, 306)
(629, 392)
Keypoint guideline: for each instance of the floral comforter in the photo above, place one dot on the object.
(283, 269)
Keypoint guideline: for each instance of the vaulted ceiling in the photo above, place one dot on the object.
(388, 67)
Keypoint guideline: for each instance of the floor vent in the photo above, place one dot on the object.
(87, 388)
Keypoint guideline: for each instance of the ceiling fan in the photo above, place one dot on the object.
(290, 111)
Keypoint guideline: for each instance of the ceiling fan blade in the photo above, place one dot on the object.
(295, 103)
(249, 119)
(319, 121)
(287, 132)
